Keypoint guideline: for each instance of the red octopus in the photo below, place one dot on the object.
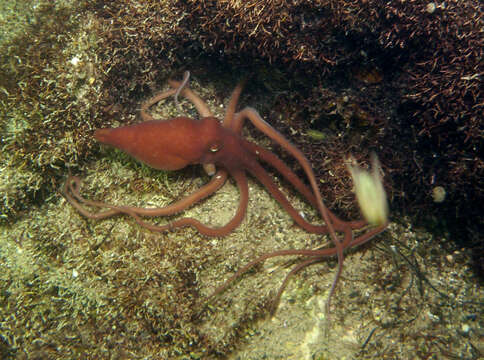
(181, 141)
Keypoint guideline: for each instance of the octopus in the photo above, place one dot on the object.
(223, 151)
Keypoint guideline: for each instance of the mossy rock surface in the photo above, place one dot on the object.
(71, 286)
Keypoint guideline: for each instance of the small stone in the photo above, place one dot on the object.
(434, 318)
(75, 61)
(438, 194)
(431, 7)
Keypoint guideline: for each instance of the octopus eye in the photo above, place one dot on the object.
(215, 147)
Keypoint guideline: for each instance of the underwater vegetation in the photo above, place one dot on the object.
(402, 79)
(48, 83)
